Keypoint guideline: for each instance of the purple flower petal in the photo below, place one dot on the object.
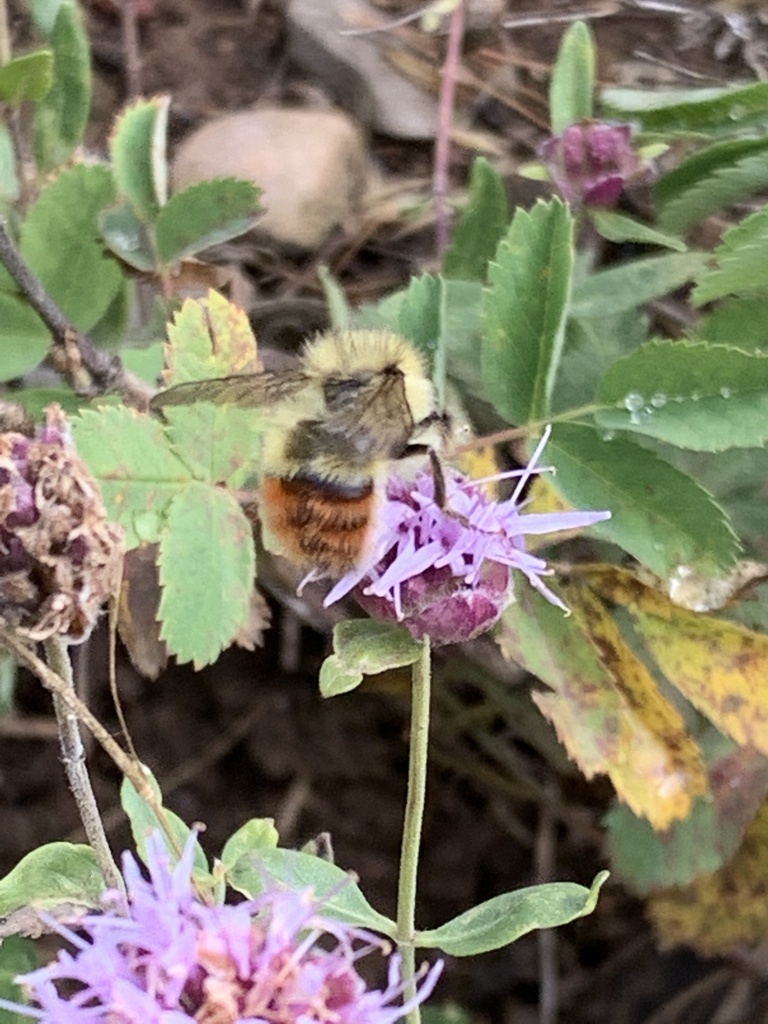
(445, 572)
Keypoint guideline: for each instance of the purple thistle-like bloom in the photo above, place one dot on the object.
(445, 571)
(174, 960)
(592, 162)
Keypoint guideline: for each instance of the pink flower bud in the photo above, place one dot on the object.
(592, 162)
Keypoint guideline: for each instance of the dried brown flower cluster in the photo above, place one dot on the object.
(60, 557)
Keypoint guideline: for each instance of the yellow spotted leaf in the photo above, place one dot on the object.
(666, 768)
(209, 337)
(721, 910)
(720, 667)
(605, 705)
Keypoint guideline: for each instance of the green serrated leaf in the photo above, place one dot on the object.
(709, 180)
(144, 822)
(504, 919)
(221, 444)
(207, 568)
(51, 875)
(481, 226)
(62, 115)
(203, 215)
(572, 88)
(59, 241)
(690, 394)
(524, 310)
(591, 346)
(659, 515)
(17, 956)
(28, 77)
(24, 338)
(130, 456)
(256, 834)
(740, 263)
(209, 338)
(137, 147)
(738, 321)
(128, 237)
(364, 647)
(617, 227)
(337, 894)
(631, 284)
(693, 110)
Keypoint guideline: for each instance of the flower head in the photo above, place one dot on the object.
(175, 960)
(444, 570)
(59, 556)
(592, 162)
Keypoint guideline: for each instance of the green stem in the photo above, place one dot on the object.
(414, 816)
(73, 756)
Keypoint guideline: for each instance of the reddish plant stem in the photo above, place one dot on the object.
(440, 184)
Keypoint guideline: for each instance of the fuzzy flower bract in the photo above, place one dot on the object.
(444, 570)
(174, 960)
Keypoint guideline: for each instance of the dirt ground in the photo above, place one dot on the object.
(251, 736)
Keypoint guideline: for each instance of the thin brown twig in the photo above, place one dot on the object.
(87, 366)
(51, 681)
(446, 102)
(73, 757)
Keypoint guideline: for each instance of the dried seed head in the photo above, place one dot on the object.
(60, 558)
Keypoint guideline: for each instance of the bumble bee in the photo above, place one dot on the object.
(356, 401)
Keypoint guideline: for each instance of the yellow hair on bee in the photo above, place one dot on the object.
(352, 353)
(357, 401)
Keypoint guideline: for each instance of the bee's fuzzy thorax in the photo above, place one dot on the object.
(341, 353)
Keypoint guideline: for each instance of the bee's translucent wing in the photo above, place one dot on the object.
(379, 420)
(249, 390)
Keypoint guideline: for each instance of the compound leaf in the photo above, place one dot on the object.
(207, 567)
(136, 469)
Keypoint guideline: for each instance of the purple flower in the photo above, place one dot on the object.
(174, 960)
(445, 571)
(592, 162)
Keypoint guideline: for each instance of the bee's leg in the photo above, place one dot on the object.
(438, 477)
(440, 419)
